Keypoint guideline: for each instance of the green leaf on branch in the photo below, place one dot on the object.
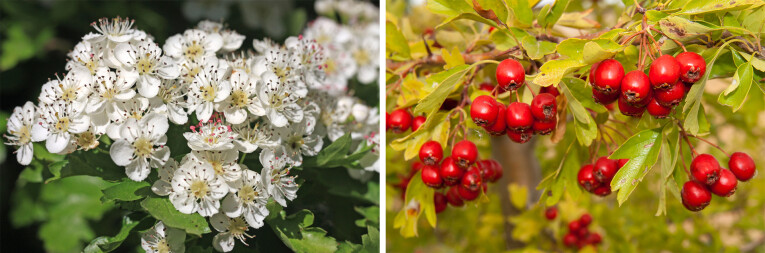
(449, 7)
(553, 71)
(296, 232)
(669, 156)
(110, 243)
(738, 89)
(337, 149)
(396, 43)
(418, 200)
(523, 16)
(548, 16)
(97, 164)
(695, 118)
(162, 209)
(445, 82)
(584, 124)
(496, 6)
(715, 6)
(643, 150)
(682, 29)
(128, 190)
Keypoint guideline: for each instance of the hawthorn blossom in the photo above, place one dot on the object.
(365, 51)
(145, 58)
(161, 239)
(252, 137)
(228, 230)
(112, 32)
(171, 93)
(109, 88)
(249, 200)
(210, 135)
(299, 140)
(192, 45)
(311, 59)
(275, 175)
(223, 162)
(166, 172)
(231, 39)
(210, 86)
(135, 108)
(142, 145)
(20, 132)
(58, 122)
(196, 189)
(73, 89)
(242, 98)
(278, 101)
(85, 56)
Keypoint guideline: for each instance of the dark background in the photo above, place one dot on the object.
(35, 37)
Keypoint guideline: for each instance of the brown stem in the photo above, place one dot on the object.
(710, 143)
(676, 41)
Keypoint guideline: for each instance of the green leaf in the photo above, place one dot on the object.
(445, 82)
(371, 216)
(549, 16)
(162, 209)
(296, 232)
(128, 190)
(341, 184)
(396, 43)
(497, 6)
(585, 127)
(643, 150)
(714, 6)
(418, 200)
(522, 14)
(553, 71)
(337, 149)
(92, 163)
(669, 156)
(469, 16)
(598, 50)
(736, 92)
(371, 241)
(449, 7)
(32, 173)
(110, 243)
(537, 49)
(695, 119)
(682, 29)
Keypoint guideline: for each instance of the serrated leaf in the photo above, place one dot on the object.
(396, 43)
(336, 150)
(496, 6)
(418, 200)
(714, 6)
(537, 49)
(695, 119)
(296, 232)
(643, 150)
(110, 243)
(127, 190)
(92, 164)
(682, 29)
(738, 89)
(522, 14)
(449, 7)
(161, 209)
(553, 71)
(584, 126)
(444, 82)
(452, 59)
(594, 52)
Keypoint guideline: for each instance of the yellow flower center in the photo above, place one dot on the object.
(145, 65)
(248, 194)
(163, 246)
(239, 99)
(331, 66)
(87, 140)
(23, 134)
(62, 125)
(361, 57)
(199, 189)
(143, 147)
(217, 167)
(69, 93)
(208, 93)
(237, 227)
(193, 51)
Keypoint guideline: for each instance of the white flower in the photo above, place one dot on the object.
(73, 89)
(135, 108)
(209, 87)
(365, 53)
(228, 230)
(231, 39)
(20, 129)
(223, 162)
(112, 32)
(166, 172)
(249, 200)
(250, 138)
(210, 135)
(278, 101)
(171, 93)
(298, 140)
(109, 89)
(142, 145)
(58, 121)
(311, 60)
(196, 189)
(192, 45)
(84, 55)
(279, 184)
(190, 69)
(145, 58)
(242, 98)
(326, 31)
(161, 239)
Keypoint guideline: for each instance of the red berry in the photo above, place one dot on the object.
(439, 200)
(416, 166)
(582, 233)
(417, 122)
(431, 177)
(604, 99)
(657, 110)
(550, 90)
(453, 196)
(692, 66)
(574, 226)
(387, 121)
(499, 126)
(570, 240)
(725, 185)
(467, 194)
(592, 73)
(519, 136)
(695, 196)
(450, 172)
(604, 169)
(608, 76)
(742, 166)
(519, 116)
(636, 89)
(544, 127)
(486, 86)
(622, 162)
(543, 107)
(630, 110)
(593, 238)
(664, 72)
(586, 178)
(671, 96)
(464, 153)
(705, 169)
(484, 110)
(585, 220)
(472, 179)
(551, 213)
(431, 153)
(510, 74)
(400, 120)
(491, 170)
(603, 190)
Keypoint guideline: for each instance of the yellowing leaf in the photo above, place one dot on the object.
(713, 6)
(395, 43)
(518, 195)
(553, 71)
(681, 28)
(578, 20)
(452, 59)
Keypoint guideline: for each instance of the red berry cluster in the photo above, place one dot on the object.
(520, 121)
(400, 120)
(665, 86)
(579, 236)
(708, 177)
(596, 178)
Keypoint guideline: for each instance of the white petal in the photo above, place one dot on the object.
(173, 46)
(277, 119)
(121, 152)
(57, 142)
(169, 69)
(24, 154)
(39, 132)
(224, 92)
(220, 222)
(161, 188)
(124, 53)
(137, 170)
(223, 242)
(367, 74)
(148, 86)
(204, 111)
(213, 42)
(79, 124)
(183, 202)
(208, 207)
(235, 116)
(156, 124)
(231, 206)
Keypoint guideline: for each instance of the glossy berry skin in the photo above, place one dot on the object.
(657, 110)
(607, 78)
(431, 176)
(593, 238)
(671, 96)
(453, 197)
(582, 233)
(692, 66)
(551, 213)
(544, 127)
(491, 170)
(500, 125)
(630, 110)
(439, 200)
(400, 120)
(519, 116)
(622, 162)
(543, 107)
(519, 136)
(604, 99)
(664, 72)
(550, 90)
(705, 169)
(585, 220)
(591, 77)
(570, 240)
(636, 89)
(464, 153)
(431, 153)
(574, 226)
(484, 110)
(510, 74)
(602, 190)
(586, 178)
(471, 180)
(604, 169)
(742, 166)
(450, 172)
(467, 194)
(725, 185)
(695, 196)
(417, 122)
(486, 86)
(387, 121)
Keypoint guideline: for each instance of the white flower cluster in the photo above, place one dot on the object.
(277, 99)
